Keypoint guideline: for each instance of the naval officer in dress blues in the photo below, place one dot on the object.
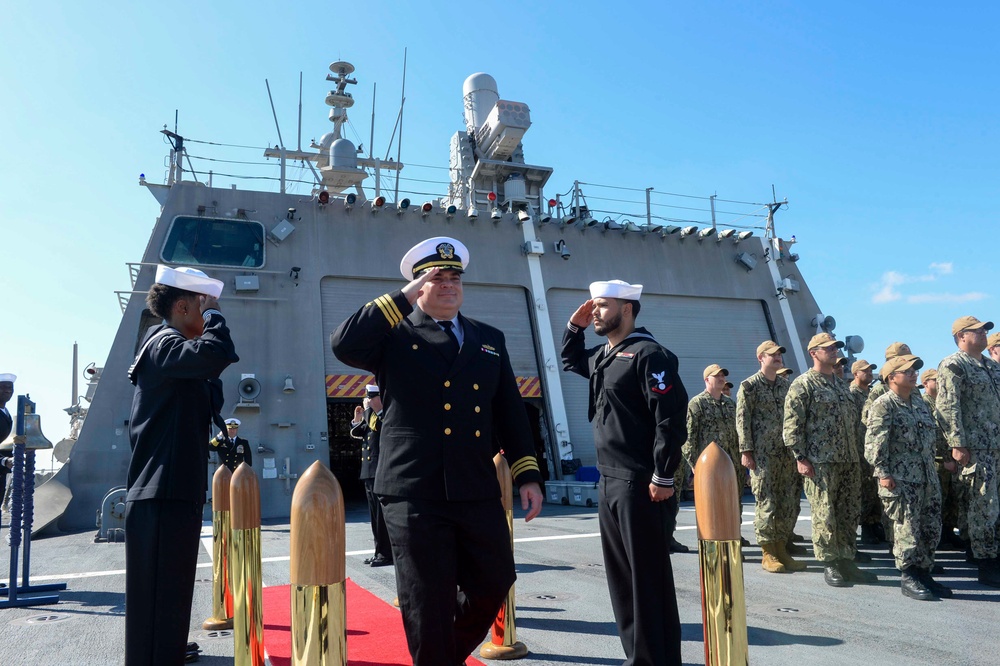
(449, 399)
(367, 426)
(232, 448)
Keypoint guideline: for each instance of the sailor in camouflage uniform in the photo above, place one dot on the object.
(993, 347)
(819, 429)
(711, 417)
(871, 507)
(968, 409)
(760, 407)
(952, 491)
(899, 444)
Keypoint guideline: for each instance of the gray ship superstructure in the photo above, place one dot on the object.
(297, 265)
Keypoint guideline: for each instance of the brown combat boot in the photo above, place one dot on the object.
(770, 562)
(786, 559)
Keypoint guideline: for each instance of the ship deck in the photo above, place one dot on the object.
(563, 612)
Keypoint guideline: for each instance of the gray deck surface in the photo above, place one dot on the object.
(563, 612)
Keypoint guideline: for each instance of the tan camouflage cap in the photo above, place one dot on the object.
(729, 385)
(896, 349)
(784, 371)
(824, 340)
(993, 340)
(928, 375)
(841, 359)
(969, 323)
(862, 364)
(714, 369)
(899, 364)
(769, 347)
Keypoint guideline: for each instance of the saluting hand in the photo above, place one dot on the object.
(584, 315)
(206, 302)
(413, 290)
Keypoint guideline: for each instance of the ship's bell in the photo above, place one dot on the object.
(33, 437)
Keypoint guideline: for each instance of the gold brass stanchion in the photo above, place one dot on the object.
(503, 643)
(723, 606)
(318, 553)
(222, 591)
(248, 622)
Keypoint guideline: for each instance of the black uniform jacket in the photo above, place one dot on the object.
(6, 426)
(439, 417)
(172, 411)
(232, 452)
(638, 405)
(369, 431)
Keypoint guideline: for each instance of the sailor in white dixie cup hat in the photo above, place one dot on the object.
(6, 425)
(639, 427)
(177, 394)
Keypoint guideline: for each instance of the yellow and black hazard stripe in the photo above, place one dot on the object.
(389, 309)
(525, 464)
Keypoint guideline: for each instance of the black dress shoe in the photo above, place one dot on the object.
(854, 574)
(833, 576)
(380, 561)
(677, 547)
(913, 588)
(744, 543)
(368, 560)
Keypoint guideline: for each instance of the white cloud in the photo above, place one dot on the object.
(947, 298)
(888, 291)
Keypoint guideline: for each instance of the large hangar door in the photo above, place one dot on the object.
(700, 331)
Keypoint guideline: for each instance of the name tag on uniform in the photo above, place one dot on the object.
(489, 349)
(625, 355)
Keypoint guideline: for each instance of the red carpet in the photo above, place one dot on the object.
(374, 629)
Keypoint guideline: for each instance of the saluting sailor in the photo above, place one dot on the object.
(367, 426)
(177, 393)
(637, 407)
(449, 394)
(232, 448)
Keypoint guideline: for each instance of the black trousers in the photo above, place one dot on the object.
(379, 531)
(438, 547)
(635, 538)
(161, 556)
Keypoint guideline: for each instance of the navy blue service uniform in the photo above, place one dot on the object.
(369, 431)
(442, 411)
(638, 407)
(232, 452)
(168, 430)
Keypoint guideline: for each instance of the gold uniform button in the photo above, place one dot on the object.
(475, 387)
(447, 383)
(447, 406)
(477, 433)
(477, 409)
(447, 431)
(414, 346)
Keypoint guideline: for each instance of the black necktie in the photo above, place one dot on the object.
(448, 325)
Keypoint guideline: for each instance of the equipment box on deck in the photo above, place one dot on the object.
(556, 492)
(582, 494)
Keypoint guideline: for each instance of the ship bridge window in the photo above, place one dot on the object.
(194, 241)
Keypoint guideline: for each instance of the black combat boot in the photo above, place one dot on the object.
(924, 575)
(912, 587)
(854, 574)
(795, 549)
(833, 576)
(677, 547)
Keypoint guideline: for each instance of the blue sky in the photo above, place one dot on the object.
(876, 120)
